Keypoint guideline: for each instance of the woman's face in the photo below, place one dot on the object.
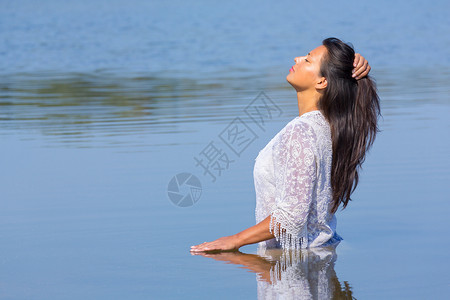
(304, 74)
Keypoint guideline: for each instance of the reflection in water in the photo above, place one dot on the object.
(302, 274)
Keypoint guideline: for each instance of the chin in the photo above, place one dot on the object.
(287, 79)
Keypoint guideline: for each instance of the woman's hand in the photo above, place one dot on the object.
(226, 243)
(361, 67)
(256, 233)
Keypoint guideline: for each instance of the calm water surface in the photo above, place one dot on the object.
(102, 103)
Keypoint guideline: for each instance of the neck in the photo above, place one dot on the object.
(307, 101)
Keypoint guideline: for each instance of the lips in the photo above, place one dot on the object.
(291, 69)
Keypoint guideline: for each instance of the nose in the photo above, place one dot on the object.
(298, 59)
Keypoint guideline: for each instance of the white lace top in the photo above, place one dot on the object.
(292, 177)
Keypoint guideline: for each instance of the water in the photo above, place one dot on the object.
(103, 102)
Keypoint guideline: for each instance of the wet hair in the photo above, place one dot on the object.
(352, 108)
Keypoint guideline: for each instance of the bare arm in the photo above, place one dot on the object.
(257, 233)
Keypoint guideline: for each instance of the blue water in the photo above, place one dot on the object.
(103, 102)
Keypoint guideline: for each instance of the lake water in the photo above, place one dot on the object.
(102, 103)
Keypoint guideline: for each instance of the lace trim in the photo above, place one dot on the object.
(287, 235)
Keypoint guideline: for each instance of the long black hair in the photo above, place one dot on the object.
(352, 108)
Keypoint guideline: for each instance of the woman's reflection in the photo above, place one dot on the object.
(281, 274)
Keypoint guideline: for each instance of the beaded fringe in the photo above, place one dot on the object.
(286, 239)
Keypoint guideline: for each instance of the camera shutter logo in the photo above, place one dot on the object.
(184, 189)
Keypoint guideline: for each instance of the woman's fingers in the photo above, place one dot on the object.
(357, 60)
(366, 72)
(358, 63)
(206, 246)
(361, 67)
(224, 243)
(362, 71)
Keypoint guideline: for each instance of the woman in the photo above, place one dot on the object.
(310, 167)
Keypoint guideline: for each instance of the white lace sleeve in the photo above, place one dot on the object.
(295, 173)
